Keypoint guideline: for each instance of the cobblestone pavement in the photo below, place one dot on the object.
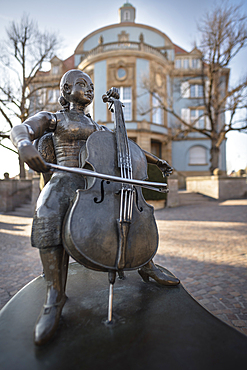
(204, 245)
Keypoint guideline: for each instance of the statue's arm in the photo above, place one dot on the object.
(23, 135)
(164, 167)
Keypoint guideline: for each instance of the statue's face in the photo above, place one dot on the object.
(81, 91)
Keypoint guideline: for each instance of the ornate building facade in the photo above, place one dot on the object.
(132, 57)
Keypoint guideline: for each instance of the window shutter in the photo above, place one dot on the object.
(206, 88)
(185, 89)
(208, 125)
(185, 114)
(197, 155)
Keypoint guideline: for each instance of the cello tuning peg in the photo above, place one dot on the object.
(105, 98)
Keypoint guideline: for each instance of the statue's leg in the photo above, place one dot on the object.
(151, 270)
(55, 265)
(52, 206)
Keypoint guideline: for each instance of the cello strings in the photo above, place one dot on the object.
(125, 197)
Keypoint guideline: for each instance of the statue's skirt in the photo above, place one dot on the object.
(155, 327)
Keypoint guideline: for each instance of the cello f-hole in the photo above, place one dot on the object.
(140, 209)
(102, 192)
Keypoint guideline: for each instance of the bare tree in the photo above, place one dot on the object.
(223, 34)
(22, 56)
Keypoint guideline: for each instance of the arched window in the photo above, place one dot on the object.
(198, 155)
(127, 15)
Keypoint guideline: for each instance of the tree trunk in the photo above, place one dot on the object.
(22, 169)
(214, 157)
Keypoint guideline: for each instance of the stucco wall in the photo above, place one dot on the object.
(111, 35)
(100, 86)
(218, 187)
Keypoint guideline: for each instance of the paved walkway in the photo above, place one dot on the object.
(204, 245)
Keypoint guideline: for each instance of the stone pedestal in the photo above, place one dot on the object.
(13, 193)
(172, 196)
(155, 327)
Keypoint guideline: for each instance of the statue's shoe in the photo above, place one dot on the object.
(157, 274)
(47, 322)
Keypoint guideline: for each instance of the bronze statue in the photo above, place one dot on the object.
(71, 128)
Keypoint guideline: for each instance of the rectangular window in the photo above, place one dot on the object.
(195, 63)
(157, 111)
(192, 91)
(196, 91)
(55, 70)
(186, 63)
(198, 116)
(125, 96)
(53, 96)
(200, 91)
(201, 122)
(178, 63)
(41, 96)
(156, 148)
(126, 93)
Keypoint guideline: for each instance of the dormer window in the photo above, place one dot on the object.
(55, 70)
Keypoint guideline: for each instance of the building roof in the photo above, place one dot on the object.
(69, 63)
(179, 50)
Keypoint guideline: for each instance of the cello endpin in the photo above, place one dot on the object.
(110, 304)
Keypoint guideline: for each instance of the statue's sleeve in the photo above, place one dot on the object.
(34, 127)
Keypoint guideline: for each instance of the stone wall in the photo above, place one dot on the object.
(218, 187)
(13, 193)
(172, 196)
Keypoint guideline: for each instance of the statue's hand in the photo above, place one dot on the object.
(31, 156)
(164, 167)
(113, 93)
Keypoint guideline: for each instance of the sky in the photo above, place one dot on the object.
(178, 19)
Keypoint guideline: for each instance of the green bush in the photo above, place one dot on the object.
(154, 174)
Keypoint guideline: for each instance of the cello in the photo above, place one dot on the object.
(119, 231)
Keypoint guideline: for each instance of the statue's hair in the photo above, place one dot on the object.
(63, 102)
(67, 77)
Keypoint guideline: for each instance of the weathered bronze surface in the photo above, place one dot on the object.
(112, 245)
(154, 327)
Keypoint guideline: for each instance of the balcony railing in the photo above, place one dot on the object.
(123, 45)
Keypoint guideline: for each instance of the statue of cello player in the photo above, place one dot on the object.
(71, 127)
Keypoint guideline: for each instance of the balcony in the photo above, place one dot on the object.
(122, 46)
